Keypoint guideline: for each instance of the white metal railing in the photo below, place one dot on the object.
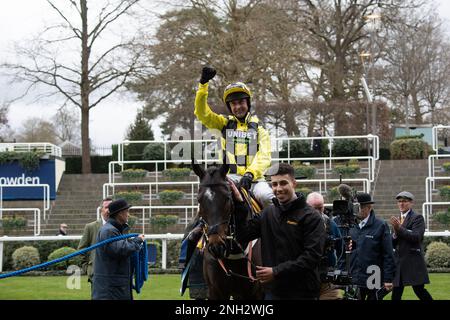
(432, 163)
(429, 186)
(327, 165)
(435, 136)
(112, 171)
(36, 217)
(44, 147)
(150, 185)
(325, 169)
(107, 187)
(373, 140)
(45, 197)
(163, 237)
(427, 210)
(120, 148)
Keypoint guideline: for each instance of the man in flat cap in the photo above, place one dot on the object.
(411, 269)
(112, 268)
(371, 251)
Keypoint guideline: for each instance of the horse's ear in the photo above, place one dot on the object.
(198, 169)
(224, 169)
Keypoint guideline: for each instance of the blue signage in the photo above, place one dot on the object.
(14, 174)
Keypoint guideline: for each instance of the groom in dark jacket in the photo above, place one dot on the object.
(292, 241)
(112, 268)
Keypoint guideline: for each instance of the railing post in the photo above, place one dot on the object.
(143, 221)
(164, 253)
(165, 156)
(1, 256)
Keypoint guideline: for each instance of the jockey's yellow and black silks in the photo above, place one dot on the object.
(247, 156)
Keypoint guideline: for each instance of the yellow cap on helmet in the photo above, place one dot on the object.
(236, 87)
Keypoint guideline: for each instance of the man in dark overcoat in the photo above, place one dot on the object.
(371, 251)
(112, 268)
(411, 269)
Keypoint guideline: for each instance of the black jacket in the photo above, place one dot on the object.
(410, 262)
(292, 242)
(372, 245)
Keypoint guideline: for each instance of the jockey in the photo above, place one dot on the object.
(245, 141)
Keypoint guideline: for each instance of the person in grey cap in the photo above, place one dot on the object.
(411, 269)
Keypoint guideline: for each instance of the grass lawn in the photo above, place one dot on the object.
(158, 287)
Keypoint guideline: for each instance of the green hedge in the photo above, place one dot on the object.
(99, 164)
(175, 174)
(160, 222)
(25, 257)
(446, 166)
(347, 148)
(128, 196)
(298, 149)
(133, 175)
(409, 149)
(169, 197)
(44, 248)
(348, 170)
(61, 252)
(13, 223)
(444, 192)
(438, 255)
(443, 218)
(29, 161)
(304, 171)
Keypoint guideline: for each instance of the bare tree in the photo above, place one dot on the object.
(250, 41)
(37, 130)
(5, 130)
(417, 69)
(67, 123)
(101, 70)
(336, 33)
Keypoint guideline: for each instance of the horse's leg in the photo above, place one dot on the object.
(215, 278)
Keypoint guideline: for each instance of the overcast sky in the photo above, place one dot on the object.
(19, 19)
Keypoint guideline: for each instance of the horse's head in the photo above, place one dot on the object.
(216, 206)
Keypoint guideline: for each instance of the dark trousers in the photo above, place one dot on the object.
(419, 290)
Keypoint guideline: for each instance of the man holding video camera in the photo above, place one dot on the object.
(371, 261)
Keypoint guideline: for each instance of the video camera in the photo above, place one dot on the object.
(344, 210)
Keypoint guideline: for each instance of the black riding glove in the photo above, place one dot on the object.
(207, 74)
(246, 181)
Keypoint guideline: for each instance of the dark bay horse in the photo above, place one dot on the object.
(225, 267)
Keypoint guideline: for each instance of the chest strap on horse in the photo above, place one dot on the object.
(230, 273)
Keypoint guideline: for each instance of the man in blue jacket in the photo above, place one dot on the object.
(112, 268)
(372, 261)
